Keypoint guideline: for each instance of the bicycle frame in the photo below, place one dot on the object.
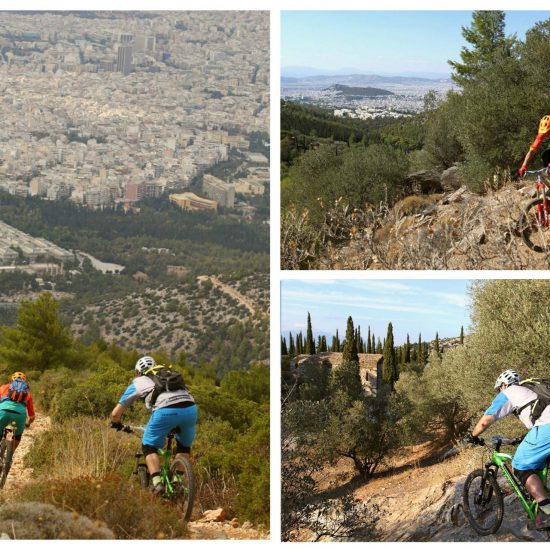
(541, 192)
(501, 461)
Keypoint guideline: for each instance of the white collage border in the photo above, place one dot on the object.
(277, 275)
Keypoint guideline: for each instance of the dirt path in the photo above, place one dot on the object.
(235, 294)
(224, 531)
(19, 475)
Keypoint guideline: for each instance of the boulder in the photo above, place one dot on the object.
(213, 515)
(451, 179)
(424, 182)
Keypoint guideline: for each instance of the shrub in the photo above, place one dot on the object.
(81, 446)
(36, 520)
(127, 510)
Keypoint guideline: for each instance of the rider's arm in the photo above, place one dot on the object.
(118, 411)
(534, 146)
(30, 410)
(484, 422)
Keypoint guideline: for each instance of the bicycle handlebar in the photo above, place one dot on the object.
(535, 172)
(503, 440)
(132, 429)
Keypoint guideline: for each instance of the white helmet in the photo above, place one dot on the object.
(144, 363)
(508, 377)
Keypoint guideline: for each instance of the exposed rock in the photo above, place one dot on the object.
(234, 522)
(451, 179)
(213, 515)
(247, 525)
(424, 182)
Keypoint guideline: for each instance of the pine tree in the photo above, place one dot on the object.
(369, 346)
(39, 340)
(284, 350)
(350, 347)
(389, 365)
(310, 342)
(489, 45)
(462, 335)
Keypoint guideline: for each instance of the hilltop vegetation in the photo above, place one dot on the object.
(484, 129)
(81, 462)
(429, 401)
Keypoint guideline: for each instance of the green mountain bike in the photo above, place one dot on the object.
(482, 497)
(6, 452)
(176, 474)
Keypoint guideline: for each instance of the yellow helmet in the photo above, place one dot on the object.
(544, 125)
(20, 375)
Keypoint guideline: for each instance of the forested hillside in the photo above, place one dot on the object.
(364, 450)
(342, 177)
(80, 465)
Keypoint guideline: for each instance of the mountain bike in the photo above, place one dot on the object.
(482, 496)
(6, 452)
(176, 474)
(533, 222)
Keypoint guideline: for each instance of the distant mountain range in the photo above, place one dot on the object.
(355, 80)
(305, 72)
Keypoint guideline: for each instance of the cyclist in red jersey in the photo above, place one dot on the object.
(21, 411)
(544, 132)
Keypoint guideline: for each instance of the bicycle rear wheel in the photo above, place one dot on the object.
(483, 503)
(534, 230)
(183, 484)
(6, 455)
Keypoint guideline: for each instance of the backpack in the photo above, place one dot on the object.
(165, 379)
(541, 386)
(18, 391)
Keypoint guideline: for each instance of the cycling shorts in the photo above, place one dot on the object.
(7, 416)
(163, 420)
(534, 450)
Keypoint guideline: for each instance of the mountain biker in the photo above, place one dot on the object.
(20, 411)
(544, 132)
(172, 409)
(534, 449)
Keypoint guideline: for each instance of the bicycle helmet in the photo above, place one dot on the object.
(19, 375)
(508, 377)
(144, 363)
(544, 125)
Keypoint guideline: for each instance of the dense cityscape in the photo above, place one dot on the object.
(105, 109)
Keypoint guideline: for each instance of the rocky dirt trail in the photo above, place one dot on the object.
(19, 474)
(235, 294)
(422, 501)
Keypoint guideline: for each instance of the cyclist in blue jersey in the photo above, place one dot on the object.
(170, 410)
(533, 452)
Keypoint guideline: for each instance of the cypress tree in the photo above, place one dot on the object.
(462, 335)
(420, 355)
(436, 343)
(373, 345)
(284, 350)
(408, 350)
(337, 341)
(350, 346)
(291, 346)
(379, 346)
(323, 343)
(299, 344)
(310, 342)
(369, 347)
(389, 365)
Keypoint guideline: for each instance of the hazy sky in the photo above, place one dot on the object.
(412, 306)
(383, 41)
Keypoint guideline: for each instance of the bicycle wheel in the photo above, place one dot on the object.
(143, 476)
(534, 232)
(483, 503)
(6, 455)
(183, 484)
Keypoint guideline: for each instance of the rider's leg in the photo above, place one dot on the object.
(535, 487)
(186, 433)
(153, 462)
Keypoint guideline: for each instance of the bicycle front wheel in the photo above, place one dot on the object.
(183, 484)
(483, 502)
(534, 227)
(6, 455)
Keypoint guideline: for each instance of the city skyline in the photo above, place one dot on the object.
(381, 42)
(412, 306)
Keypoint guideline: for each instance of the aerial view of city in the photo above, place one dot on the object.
(134, 230)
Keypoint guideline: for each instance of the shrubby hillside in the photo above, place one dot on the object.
(80, 464)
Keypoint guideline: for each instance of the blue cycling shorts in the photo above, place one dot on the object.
(163, 420)
(533, 451)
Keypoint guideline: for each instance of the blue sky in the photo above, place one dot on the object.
(383, 41)
(412, 306)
